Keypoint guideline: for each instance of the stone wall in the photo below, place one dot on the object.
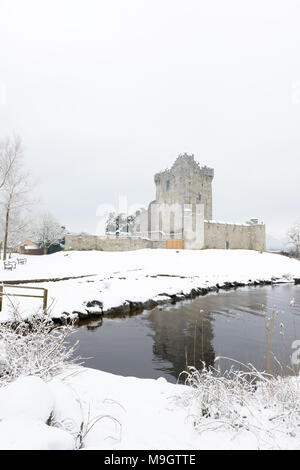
(209, 235)
(234, 236)
(101, 243)
(193, 231)
(165, 221)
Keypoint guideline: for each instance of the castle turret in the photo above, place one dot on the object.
(186, 182)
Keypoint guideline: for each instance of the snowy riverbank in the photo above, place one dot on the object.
(90, 409)
(89, 283)
(82, 408)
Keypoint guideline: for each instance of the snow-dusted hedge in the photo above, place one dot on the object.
(37, 348)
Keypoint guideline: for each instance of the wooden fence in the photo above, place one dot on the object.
(44, 296)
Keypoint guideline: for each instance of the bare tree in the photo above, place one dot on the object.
(18, 230)
(15, 190)
(47, 231)
(293, 235)
(9, 151)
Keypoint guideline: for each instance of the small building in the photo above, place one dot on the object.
(29, 247)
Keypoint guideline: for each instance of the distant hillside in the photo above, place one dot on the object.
(273, 243)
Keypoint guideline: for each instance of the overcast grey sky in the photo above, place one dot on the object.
(107, 93)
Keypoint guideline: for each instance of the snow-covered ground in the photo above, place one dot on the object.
(91, 409)
(118, 278)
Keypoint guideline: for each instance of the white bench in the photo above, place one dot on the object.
(10, 265)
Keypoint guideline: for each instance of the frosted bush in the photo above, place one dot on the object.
(243, 400)
(35, 348)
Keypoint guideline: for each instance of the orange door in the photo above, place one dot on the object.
(174, 244)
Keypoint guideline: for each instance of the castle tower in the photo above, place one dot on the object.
(186, 183)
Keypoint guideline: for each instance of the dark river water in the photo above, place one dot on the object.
(254, 325)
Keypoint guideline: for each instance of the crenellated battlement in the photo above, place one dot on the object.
(184, 163)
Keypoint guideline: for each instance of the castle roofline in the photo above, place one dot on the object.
(184, 160)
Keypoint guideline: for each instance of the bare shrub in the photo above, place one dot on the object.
(243, 400)
(36, 348)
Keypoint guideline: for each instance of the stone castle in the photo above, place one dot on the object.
(182, 211)
(179, 217)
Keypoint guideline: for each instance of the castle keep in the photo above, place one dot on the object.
(186, 183)
(180, 217)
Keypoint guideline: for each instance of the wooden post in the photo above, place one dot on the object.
(45, 300)
(1, 294)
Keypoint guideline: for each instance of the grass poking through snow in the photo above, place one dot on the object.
(243, 400)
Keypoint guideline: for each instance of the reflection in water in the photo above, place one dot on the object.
(234, 324)
(181, 338)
